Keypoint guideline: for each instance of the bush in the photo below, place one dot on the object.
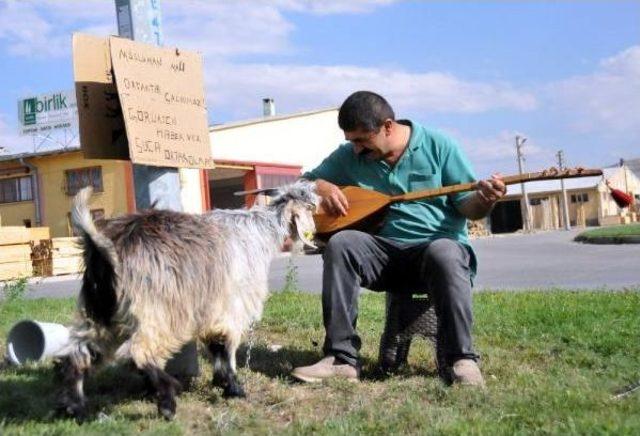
(14, 290)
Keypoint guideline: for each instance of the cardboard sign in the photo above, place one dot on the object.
(162, 98)
(102, 131)
(153, 113)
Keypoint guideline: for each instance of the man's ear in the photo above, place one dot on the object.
(387, 126)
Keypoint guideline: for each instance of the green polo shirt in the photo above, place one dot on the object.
(430, 161)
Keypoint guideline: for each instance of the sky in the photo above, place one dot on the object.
(563, 74)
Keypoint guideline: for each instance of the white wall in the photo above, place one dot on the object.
(190, 190)
(302, 139)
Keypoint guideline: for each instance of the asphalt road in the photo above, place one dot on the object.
(542, 260)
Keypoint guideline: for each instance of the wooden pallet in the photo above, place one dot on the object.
(12, 235)
(15, 261)
(66, 256)
(15, 270)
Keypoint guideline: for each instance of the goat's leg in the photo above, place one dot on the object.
(166, 388)
(150, 357)
(224, 368)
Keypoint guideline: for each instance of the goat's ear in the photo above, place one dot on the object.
(302, 220)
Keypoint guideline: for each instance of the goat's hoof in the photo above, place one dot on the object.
(234, 391)
(167, 408)
(78, 411)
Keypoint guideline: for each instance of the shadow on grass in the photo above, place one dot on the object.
(280, 363)
(28, 394)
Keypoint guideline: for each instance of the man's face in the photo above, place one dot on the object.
(371, 144)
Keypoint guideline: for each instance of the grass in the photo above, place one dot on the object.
(612, 232)
(551, 360)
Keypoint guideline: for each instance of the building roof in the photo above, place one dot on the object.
(268, 119)
(38, 153)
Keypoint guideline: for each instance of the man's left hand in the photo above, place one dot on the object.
(491, 190)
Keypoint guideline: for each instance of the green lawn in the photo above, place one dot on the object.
(551, 359)
(619, 232)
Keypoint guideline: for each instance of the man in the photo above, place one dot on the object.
(422, 245)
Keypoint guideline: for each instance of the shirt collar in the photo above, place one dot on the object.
(414, 139)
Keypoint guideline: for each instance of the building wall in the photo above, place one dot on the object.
(303, 139)
(590, 209)
(14, 214)
(114, 200)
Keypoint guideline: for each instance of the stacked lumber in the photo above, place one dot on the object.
(41, 258)
(66, 256)
(15, 250)
(15, 261)
(477, 229)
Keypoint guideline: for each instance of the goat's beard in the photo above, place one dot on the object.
(297, 247)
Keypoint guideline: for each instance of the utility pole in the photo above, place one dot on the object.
(520, 140)
(140, 20)
(565, 204)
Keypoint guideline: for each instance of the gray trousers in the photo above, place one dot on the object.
(354, 259)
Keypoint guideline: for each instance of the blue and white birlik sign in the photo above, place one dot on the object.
(46, 112)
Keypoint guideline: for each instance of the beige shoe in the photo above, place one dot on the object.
(325, 369)
(466, 372)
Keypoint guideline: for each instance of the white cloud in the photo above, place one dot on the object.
(498, 147)
(224, 27)
(43, 29)
(607, 101)
(333, 6)
(239, 88)
(496, 153)
(10, 141)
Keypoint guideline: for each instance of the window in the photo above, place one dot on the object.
(97, 214)
(537, 201)
(580, 198)
(77, 179)
(15, 189)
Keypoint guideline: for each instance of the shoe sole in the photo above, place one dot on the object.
(308, 379)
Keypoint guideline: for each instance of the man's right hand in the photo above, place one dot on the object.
(334, 202)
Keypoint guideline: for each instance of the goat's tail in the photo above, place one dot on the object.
(98, 293)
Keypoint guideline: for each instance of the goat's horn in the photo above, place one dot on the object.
(266, 191)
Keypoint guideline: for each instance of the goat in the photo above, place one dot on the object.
(157, 279)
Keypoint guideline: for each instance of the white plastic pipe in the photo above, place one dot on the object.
(35, 340)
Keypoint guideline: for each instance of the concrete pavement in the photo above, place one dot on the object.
(541, 260)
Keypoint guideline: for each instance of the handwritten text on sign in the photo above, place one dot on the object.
(162, 98)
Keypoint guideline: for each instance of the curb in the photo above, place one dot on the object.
(609, 240)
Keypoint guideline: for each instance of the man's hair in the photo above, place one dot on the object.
(364, 110)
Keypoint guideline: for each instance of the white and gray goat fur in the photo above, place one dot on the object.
(158, 279)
